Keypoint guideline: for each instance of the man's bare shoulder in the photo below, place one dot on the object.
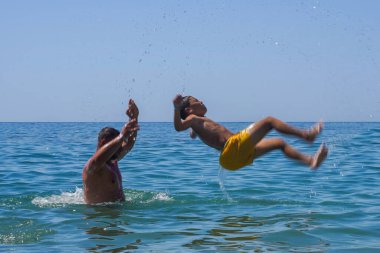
(90, 167)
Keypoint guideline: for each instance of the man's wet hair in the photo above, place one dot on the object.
(107, 134)
(184, 105)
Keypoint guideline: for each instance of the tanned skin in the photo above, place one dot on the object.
(101, 175)
(216, 135)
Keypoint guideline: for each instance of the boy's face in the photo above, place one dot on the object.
(196, 107)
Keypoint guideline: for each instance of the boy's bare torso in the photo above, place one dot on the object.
(103, 186)
(210, 132)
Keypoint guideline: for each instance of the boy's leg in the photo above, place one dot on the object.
(260, 129)
(268, 145)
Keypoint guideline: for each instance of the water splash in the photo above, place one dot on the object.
(62, 199)
(161, 196)
(144, 197)
(77, 198)
(221, 177)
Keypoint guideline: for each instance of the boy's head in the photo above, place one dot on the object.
(191, 105)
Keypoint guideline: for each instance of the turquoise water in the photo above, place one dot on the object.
(178, 199)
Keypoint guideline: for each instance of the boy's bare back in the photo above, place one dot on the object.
(210, 132)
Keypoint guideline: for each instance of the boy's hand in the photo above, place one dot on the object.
(133, 111)
(177, 101)
(193, 135)
(130, 128)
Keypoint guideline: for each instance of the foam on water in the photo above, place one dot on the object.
(146, 197)
(62, 199)
(162, 196)
(76, 198)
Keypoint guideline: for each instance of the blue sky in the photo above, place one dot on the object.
(295, 60)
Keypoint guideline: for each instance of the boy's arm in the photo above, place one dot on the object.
(193, 135)
(179, 124)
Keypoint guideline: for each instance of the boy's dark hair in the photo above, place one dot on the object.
(185, 104)
(107, 134)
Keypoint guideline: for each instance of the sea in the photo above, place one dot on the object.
(178, 199)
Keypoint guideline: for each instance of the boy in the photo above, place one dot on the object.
(241, 149)
(101, 175)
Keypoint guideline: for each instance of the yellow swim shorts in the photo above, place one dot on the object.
(238, 151)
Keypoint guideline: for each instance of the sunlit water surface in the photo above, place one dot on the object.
(179, 200)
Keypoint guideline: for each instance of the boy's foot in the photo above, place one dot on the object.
(319, 156)
(312, 133)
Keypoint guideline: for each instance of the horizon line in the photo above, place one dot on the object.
(172, 121)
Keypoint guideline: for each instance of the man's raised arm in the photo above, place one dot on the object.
(133, 113)
(105, 153)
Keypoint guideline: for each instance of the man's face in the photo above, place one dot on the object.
(107, 140)
(197, 107)
(104, 141)
(117, 154)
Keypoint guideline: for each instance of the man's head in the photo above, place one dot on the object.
(191, 105)
(106, 135)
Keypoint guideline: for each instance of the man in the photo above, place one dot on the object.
(101, 175)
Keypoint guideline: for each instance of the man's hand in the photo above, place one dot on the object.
(133, 111)
(130, 128)
(177, 101)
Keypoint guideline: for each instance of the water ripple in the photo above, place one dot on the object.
(178, 201)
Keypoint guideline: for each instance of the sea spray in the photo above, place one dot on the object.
(221, 177)
(62, 199)
(76, 198)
